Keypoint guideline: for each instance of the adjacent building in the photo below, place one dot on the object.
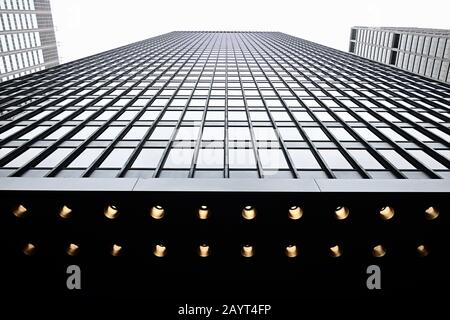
(27, 38)
(292, 164)
(422, 51)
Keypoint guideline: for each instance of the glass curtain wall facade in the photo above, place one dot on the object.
(27, 38)
(225, 105)
(424, 52)
(182, 154)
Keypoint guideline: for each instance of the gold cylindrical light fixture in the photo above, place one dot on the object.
(379, 251)
(291, 251)
(160, 250)
(249, 213)
(157, 212)
(65, 212)
(247, 251)
(203, 212)
(20, 211)
(295, 212)
(116, 250)
(335, 251)
(111, 212)
(341, 213)
(29, 249)
(422, 250)
(72, 250)
(431, 213)
(203, 250)
(387, 213)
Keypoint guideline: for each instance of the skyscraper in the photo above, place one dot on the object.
(285, 162)
(422, 51)
(27, 38)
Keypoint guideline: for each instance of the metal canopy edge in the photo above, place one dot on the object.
(224, 185)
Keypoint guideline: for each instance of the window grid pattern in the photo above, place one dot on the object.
(27, 38)
(225, 105)
(421, 51)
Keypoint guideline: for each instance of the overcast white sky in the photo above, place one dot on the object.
(86, 27)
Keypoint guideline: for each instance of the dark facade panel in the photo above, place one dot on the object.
(274, 247)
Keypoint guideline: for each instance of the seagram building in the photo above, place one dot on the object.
(258, 151)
